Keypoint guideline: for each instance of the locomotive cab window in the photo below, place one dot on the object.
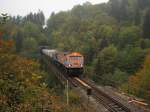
(75, 57)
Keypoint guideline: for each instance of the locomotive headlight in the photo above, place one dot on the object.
(69, 65)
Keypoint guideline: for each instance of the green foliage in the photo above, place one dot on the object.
(104, 63)
(119, 9)
(4, 18)
(119, 77)
(145, 43)
(139, 83)
(130, 59)
(146, 25)
(106, 60)
(74, 97)
(129, 36)
(143, 3)
(19, 42)
(22, 86)
(36, 18)
(109, 36)
(30, 44)
(31, 29)
(113, 36)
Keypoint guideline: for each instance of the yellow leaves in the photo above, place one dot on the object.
(21, 84)
(140, 82)
(19, 66)
(147, 62)
(36, 76)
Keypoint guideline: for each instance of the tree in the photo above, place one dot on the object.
(36, 18)
(129, 36)
(146, 25)
(87, 4)
(137, 17)
(104, 65)
(17, 20)
(4, 19)
(104, 34)
(141, 80)
(23, 87)
(19, 42)
(30, 44)
(143, 3)
(123, 10)
(105, 61)
(119, 9)
(130, 59)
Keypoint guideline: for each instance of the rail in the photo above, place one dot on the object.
(111, 104)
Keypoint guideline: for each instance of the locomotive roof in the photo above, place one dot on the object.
(74, 54)
(70, 53)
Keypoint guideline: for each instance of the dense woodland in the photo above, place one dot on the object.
(24, 86)
(114, 38)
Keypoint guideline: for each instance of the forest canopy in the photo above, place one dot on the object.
(114, 37)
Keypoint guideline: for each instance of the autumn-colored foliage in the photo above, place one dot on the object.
(139, 83)
(6, 46)
(21, 85)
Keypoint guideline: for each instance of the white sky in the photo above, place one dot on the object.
(23, 7)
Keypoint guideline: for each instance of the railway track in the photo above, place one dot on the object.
(109, 103)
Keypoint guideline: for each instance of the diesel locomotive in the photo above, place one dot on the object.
(71, 63)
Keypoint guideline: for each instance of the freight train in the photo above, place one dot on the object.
(71, 63)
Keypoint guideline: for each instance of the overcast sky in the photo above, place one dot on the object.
(23, 7)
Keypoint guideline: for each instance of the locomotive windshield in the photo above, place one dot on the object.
(75, 57)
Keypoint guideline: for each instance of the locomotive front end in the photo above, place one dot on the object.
(75, 63)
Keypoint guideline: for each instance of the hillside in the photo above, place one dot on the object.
(114, 38)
